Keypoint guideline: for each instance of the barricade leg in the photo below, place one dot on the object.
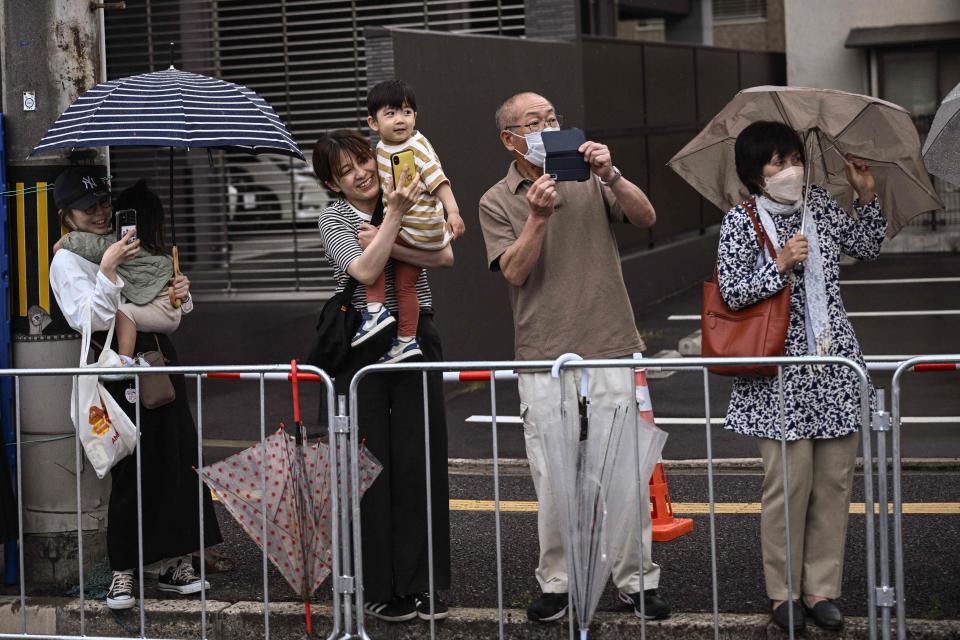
(429, 495)
(712, 505)
(786, 499)
(496, 503)
(880, 424)
(203, 547)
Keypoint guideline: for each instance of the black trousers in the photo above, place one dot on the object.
(393, 511)
(169, 490)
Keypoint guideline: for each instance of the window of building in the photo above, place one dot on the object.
(739, 9)
(909, 79)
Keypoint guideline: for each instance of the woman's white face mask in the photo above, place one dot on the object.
(785, 186)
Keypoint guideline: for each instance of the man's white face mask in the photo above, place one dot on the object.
(536, 153)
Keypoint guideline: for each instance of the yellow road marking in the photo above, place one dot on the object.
(699, 508)
(43, 253)
(21, 250)
(703, 508)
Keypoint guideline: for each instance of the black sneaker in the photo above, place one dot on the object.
(396, 610)
(654, 607)
(548, 607)
(120, 596)
(422, 602)
(181, 579)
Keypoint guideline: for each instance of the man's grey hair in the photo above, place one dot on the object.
(505, 112)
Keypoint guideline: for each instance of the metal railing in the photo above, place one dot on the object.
(897, 592)
(343, 429)
(261, 373)
(665, 364)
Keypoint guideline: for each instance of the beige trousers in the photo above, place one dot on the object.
(820, 477)
(157, 316)
(540, 409)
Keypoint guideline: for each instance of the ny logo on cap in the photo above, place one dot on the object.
(89, 183)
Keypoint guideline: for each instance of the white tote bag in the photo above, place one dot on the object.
(105, 431)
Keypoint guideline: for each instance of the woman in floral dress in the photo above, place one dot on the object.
(821, 403)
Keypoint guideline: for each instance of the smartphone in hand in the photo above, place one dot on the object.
(126, 219)
(398, 162)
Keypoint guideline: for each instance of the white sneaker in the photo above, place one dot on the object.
(401, 350)
(120, 596)
(371, 324)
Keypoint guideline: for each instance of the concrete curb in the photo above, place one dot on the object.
(182, 619)
(519, 466)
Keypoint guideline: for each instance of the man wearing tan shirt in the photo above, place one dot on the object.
(554, 244)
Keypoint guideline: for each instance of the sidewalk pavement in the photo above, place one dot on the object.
(225, 620)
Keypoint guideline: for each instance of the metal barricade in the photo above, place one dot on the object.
(894, 595)
(337, 432)
(500, 369)
(343, 430)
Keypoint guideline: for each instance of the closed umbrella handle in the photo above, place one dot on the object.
(570, 357)
(174, 300)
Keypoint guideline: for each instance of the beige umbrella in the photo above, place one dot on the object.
(831, 124)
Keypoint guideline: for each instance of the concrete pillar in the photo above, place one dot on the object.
(695, 27)
(51, 48)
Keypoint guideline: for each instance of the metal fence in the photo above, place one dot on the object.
(885, 596)
(897, 592)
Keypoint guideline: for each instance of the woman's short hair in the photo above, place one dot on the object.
(757, 144)
(329, 149)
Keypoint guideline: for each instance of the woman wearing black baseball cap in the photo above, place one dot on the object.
(168, 440)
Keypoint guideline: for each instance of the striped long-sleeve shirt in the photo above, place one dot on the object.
(339, 226)
(423, 227)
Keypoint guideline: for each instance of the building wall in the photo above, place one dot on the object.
(644, 100)
(817, 29)
(756, 34)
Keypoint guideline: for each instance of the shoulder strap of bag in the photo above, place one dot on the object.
(750, 206)
(376, 220)
(85, 332)
(762, 238)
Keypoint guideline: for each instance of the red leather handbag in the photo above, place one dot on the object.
(756, 331)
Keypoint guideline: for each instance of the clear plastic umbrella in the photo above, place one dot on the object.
(941, 151)
(597, 455)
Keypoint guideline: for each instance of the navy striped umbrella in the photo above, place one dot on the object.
(175, 109)
(170, 108)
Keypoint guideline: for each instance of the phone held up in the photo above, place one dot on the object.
(126, 219)
(564, 161)
(398, 162)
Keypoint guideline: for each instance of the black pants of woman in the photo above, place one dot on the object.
(393, 511)
(169, 490)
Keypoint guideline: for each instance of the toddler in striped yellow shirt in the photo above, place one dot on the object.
(432, 222)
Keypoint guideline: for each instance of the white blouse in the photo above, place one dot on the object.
(75, 281)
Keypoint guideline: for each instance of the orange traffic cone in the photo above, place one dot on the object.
(665, 526)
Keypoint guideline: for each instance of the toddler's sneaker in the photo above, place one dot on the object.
(401, 350)
(181, 579)
(371, 324)
(125, 361)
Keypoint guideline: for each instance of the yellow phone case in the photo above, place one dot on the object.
(399, 161)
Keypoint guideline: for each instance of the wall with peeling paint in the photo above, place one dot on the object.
(51, 48)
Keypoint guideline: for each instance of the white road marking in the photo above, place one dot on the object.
(899, 281)
(864, 314)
